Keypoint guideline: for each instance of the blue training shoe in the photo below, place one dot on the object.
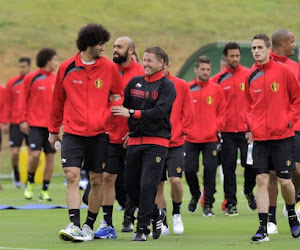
(105, 231)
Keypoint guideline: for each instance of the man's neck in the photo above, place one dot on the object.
(86, 57)
(278, 52)
(126, 63)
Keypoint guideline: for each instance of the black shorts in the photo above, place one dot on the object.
(89, 153)
(38, 139)
(274, 155)
(115, 159)
(192, 153)
(297, 146)
(174, 163)
(16, 137)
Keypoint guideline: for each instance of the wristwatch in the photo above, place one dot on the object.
(131, 113)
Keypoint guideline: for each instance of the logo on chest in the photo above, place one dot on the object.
(209, 100)
(99, 83)
(242, 86)
(154, 95)
(274, 86)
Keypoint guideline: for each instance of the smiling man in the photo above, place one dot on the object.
(81, 99)
(147, 103)
(273, 105)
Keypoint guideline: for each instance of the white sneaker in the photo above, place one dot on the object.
(297, 210)
(165, 230)
(87, 233)
(71, 233)
(177, 224)
(83, 184)
(272, 228)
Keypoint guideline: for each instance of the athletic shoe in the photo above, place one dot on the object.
(83, 183)
(177, 224)
(44, 196)
(297, 210)
(272, 228)
(28, 192)
(127, 225)
(207, 211)
(223, 205)
(193, 205)
(105, 231)
(231, 210)
(202, 198)
(16, 181)
(294, 225)
(251, 201)
(71, 233)
(141, 234)
(165, 230)
(87, 233)
(260, 236)
(157, 224)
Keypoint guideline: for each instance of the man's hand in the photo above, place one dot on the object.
(5, 128)
(249, 137)
(53, 138)
(114, 97)
(120, 110)
(24, 127)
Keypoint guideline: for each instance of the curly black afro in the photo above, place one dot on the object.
(43, 56)
(91, 35)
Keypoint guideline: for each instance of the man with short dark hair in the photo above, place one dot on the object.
(34, 112)
(232, 81)
(81, 99)
(209, 119)
(148, 102)
(124, 48)
(16, 137)
(283, 45)
(181, 121)
(273, 106)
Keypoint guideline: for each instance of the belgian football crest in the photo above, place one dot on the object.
(242, 86)
(99, 83)
(209, 100)
(275, 86)
(154, 95)
(158, 159)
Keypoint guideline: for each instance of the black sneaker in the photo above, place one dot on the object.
(294, 225)
(127, 224)
(260, 236)
(157, 224)
(207, 211)
(251, 201)
(193, 205)
(231, 210)
(141, 234)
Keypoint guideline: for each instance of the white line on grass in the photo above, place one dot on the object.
(22, 248)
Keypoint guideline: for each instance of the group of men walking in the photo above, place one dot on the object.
(142, 125)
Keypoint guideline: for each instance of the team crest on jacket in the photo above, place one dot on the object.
(275, 86)
(209, 100)
(99, 83)
(242, 86)
(158, 159)
(154, 95)
(178, 170)
(288, 163)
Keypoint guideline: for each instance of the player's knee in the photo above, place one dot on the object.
(35, 154)
(175, 181)
(109, 179)
(72, 178)
(262, 180)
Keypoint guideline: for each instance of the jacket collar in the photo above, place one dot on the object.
(155, 77)
(266, 65)
(278, 58)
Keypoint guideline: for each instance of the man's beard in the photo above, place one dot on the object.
(120, 59)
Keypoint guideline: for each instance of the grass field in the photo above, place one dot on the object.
(38, 229)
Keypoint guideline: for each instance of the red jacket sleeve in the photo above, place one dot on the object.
(187, 111)
(294, 90)
(58, 103)
(221, 109)
(6, 105)
(247, 101)
(23, 101)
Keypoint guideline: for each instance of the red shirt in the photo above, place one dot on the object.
(118, 125)
(233, 83)
(209, 111)
(272, 101)
(81, 96)
(182, 112)
(2, 102)
(36, 97)
(13, 90)
(293, 66)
